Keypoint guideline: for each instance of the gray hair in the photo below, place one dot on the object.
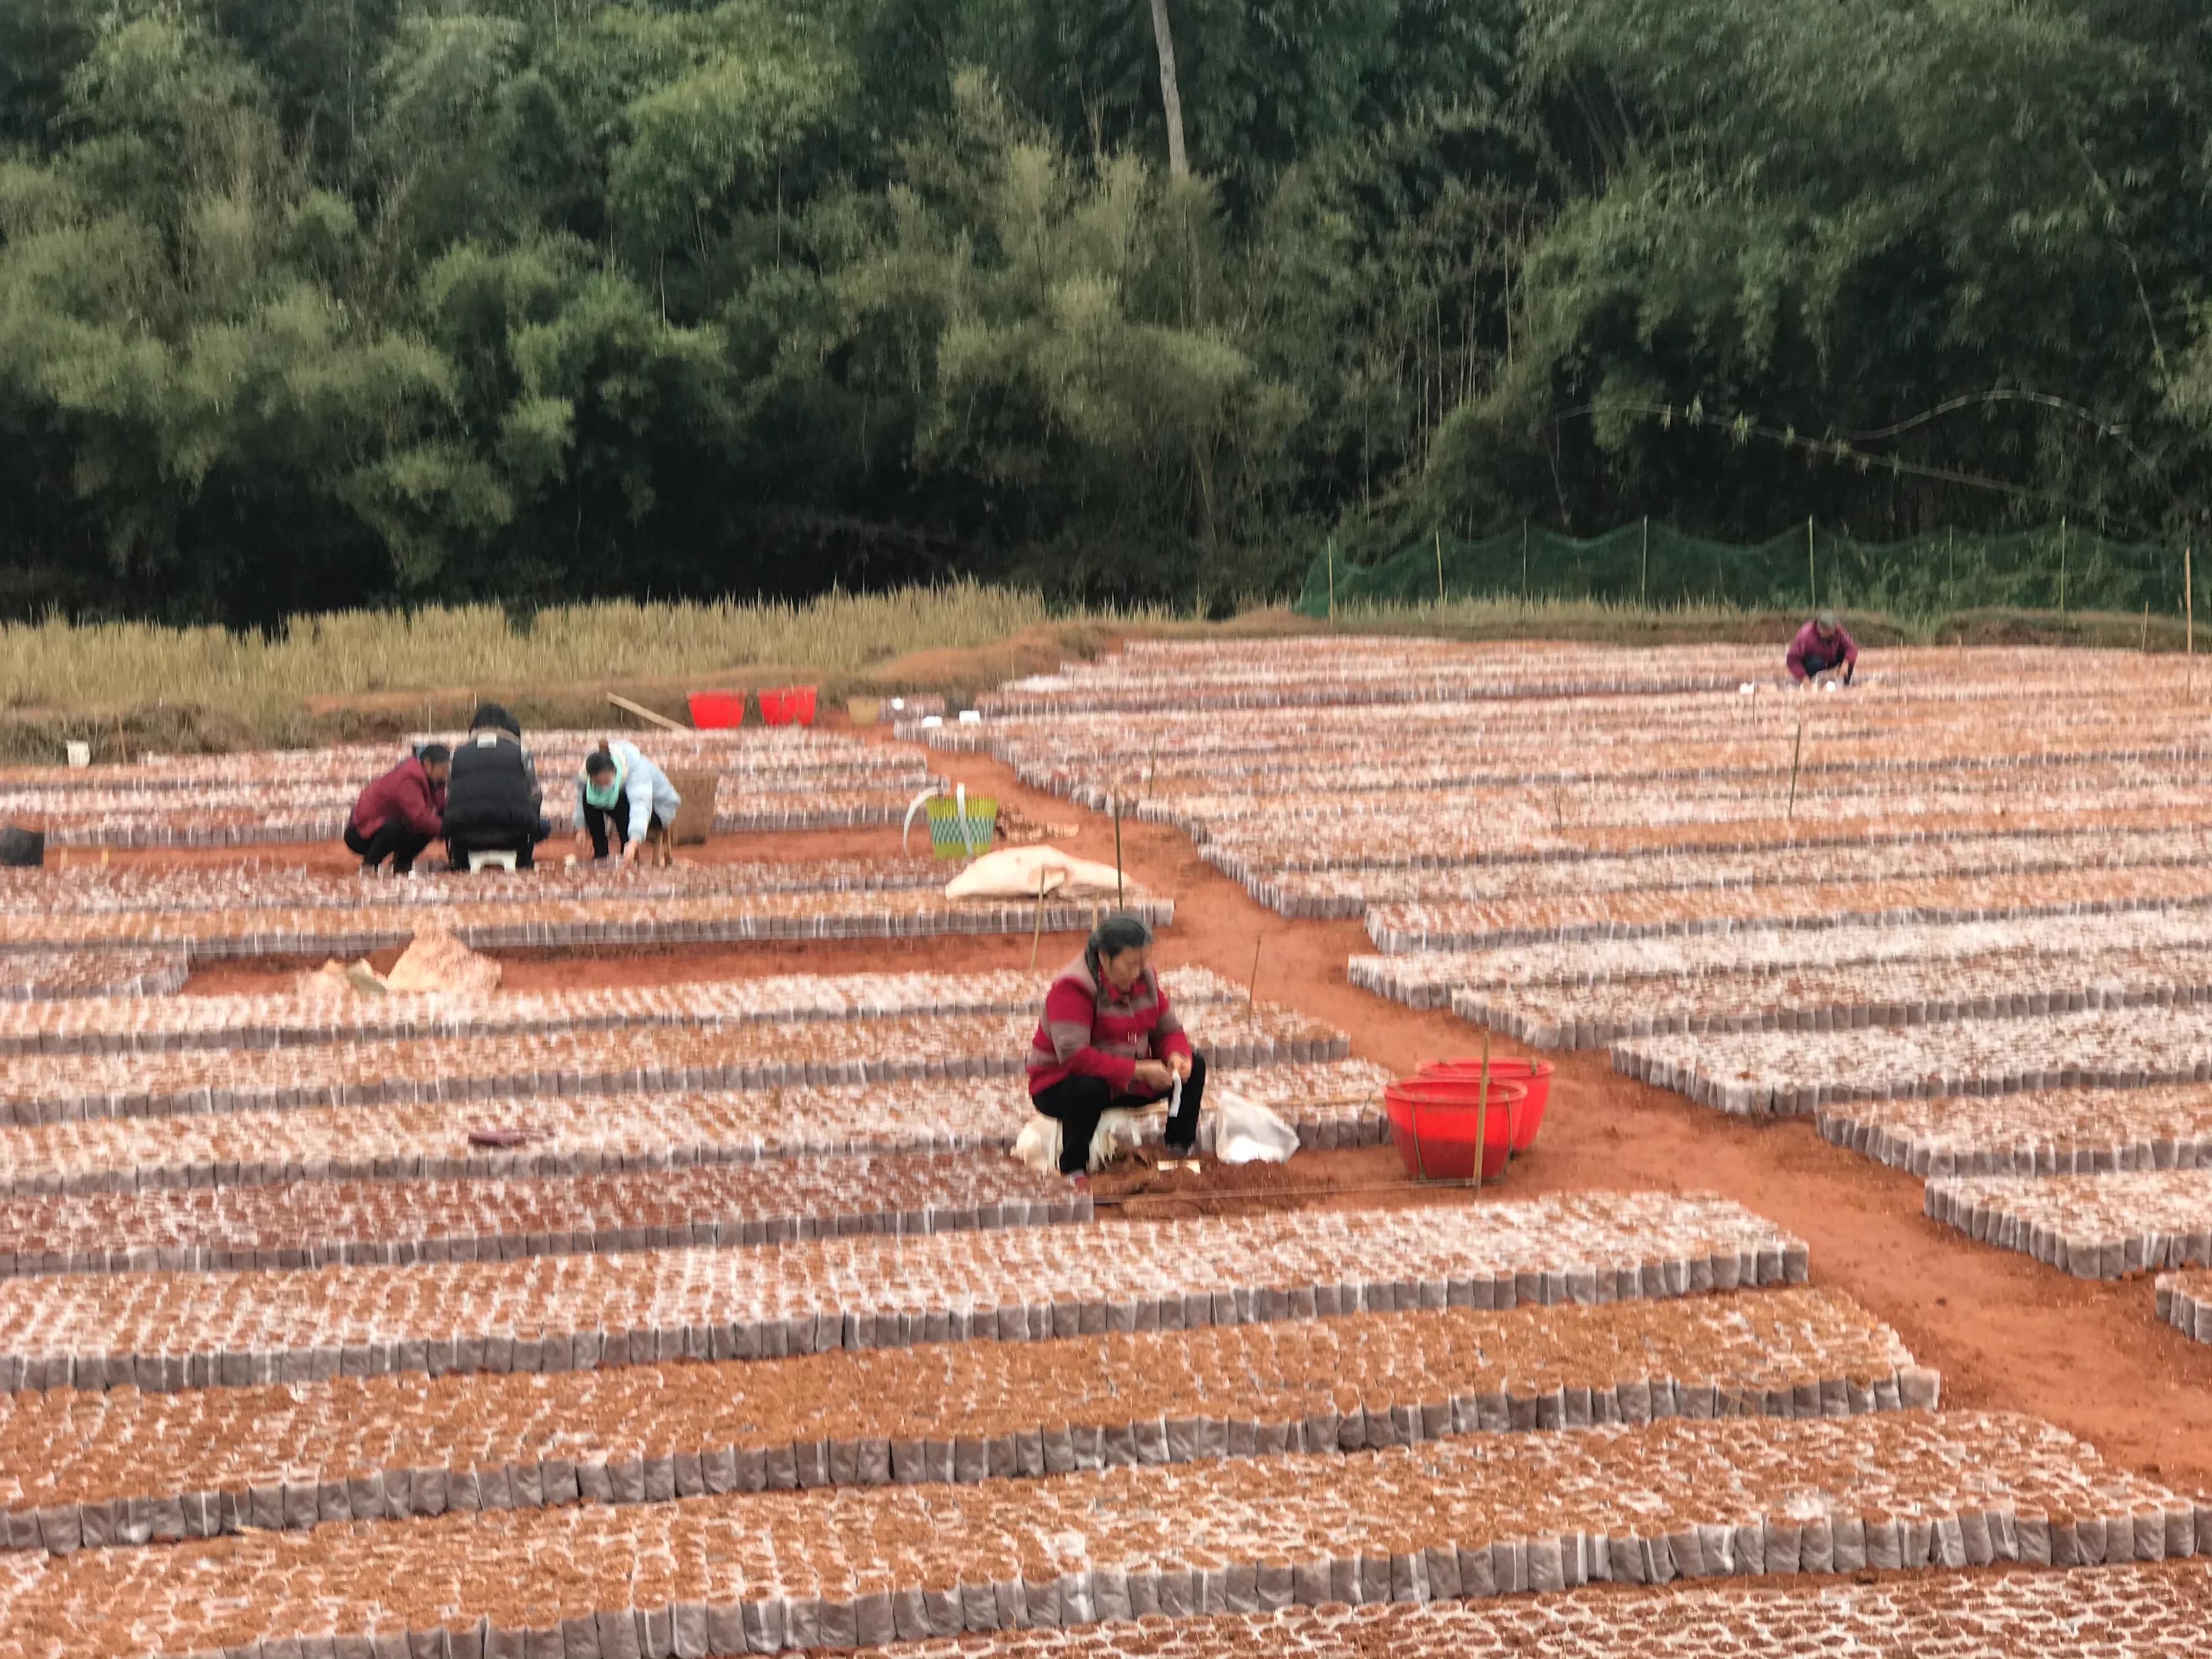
(1118, 932)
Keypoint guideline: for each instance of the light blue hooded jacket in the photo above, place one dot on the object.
(644, 785)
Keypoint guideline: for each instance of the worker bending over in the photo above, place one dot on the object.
(1109, 1039)
(494, 803)
(401, 813)
(622, 793)
(1822, 647)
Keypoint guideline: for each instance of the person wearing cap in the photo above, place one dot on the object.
(400, 813)
(1822, 647)
(1109, 1039)
(494, 803)
(622, 793)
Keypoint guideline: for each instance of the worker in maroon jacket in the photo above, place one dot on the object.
(1109, 1039)
(402, 812)
(1822, 647)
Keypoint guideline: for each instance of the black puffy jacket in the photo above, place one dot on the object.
(494, 794)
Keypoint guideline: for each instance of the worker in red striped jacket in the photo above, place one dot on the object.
(1109, 1039)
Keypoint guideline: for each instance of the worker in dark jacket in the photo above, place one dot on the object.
(494, 803)
(1822, 647)
(402, 812)
(1109, 1039)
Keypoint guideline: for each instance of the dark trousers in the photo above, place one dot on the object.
(525, 848)
(394, 840)
(601, 822)
(1816, 665)
(1079, 1102)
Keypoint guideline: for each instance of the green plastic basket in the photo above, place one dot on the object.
(953, 837)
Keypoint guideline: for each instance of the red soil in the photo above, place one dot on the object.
(2007, 1332)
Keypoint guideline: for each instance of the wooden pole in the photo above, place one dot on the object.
(2189, 595)
(1524, 561)
(2143, 644)
(1120, 901)
(2061, 566)
(1643, 574)
(661, 720)
(1440, 567)
(1812, 577)
(1481, 1114)
(1252, 985)
(1036, 930)
(1331, 549)
(1796, 755)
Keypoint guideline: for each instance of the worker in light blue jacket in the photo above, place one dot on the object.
(622, 793)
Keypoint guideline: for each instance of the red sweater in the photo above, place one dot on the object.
(405, 793)
(1093, 1030)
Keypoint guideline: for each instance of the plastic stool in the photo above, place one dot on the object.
(494, 858)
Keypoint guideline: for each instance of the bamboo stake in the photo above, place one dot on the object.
(2143, 644)
(1440, 567)
(2061, 566)
(1812, 576)
(1037, 931)
(1524, 561)
(1252, 985)
(1481, 1114)
(1797, 755)
(1330, 549)
(1121, 902)
(1643, 574)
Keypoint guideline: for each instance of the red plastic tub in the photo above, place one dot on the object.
(802, 704)
(775, 706)
(717, 711)
(1433, 1125)
(1534, 1075)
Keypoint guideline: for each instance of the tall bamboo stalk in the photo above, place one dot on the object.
(1440, 567)
(1170, 92)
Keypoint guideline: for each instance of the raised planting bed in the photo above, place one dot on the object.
(392, 1222)
(1429, 978)
(1331, 1103)
(2185, 1302)
(1345, 894)
(2042, 1133)
(543, 923)
(146, 1025)
(31, 980)
(1465, 1518)
(254, 884)
(2120, 1613)
(170, 1331)
(2009, 985)
(133, 1468)
(750, 1055)
(1812, 909)
(1801, 1072)
(2091, 1226)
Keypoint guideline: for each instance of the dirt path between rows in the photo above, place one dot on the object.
(2007, 1332)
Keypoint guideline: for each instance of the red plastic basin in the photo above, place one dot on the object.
(776, 706)
(1433, 1124)
(802, 704)
(1534, 1075)
(717, 711)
